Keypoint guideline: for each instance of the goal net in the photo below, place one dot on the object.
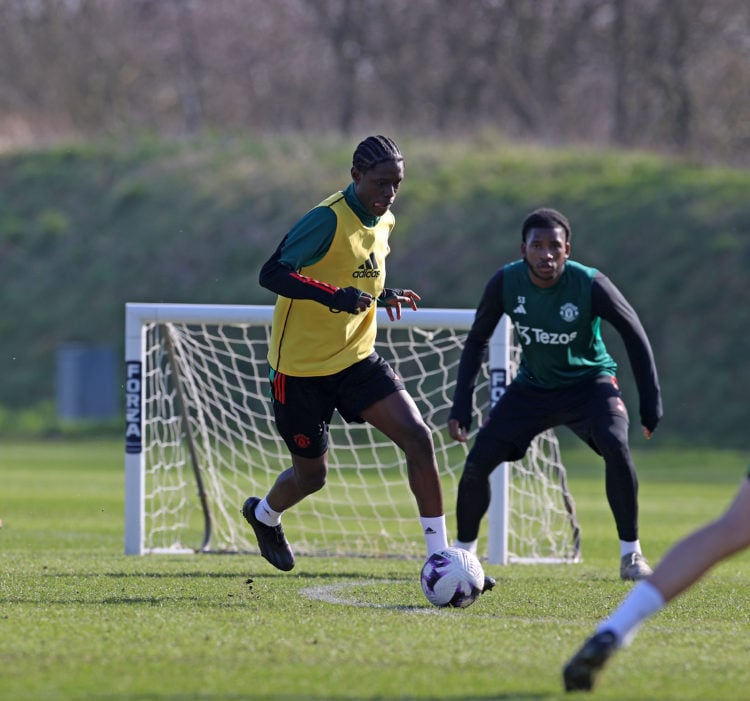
(200, 439)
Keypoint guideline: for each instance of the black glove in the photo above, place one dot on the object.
(389, 293)
(345, 300)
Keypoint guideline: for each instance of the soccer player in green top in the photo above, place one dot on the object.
(566, 377)
(329, 273)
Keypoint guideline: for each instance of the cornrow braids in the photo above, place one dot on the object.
(545, 218)
(374, 150)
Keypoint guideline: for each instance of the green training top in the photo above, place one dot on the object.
(560, 339)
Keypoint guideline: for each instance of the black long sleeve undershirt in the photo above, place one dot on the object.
(284, 281)
(610, 304)
(278, 277)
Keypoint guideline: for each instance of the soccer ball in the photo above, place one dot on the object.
(452, 577)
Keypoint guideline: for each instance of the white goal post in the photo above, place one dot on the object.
(200, 438)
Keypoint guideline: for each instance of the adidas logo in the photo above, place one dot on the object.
(520, 309)
(429, 531)
(368, 269)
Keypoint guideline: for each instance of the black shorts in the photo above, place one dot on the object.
(593, 409)
(303, 406)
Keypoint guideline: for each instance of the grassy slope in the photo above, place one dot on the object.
(83, 229)
(80, 620)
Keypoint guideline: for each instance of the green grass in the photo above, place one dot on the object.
(80, 620)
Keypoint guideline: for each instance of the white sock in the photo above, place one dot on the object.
(643, 601)
(627, 547)
(471, 546)
(435, 536)
(265, 514)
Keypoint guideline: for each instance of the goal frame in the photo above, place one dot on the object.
(138, 315)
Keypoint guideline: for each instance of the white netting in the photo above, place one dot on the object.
(206, 455)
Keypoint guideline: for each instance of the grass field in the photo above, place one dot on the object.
(81, 620)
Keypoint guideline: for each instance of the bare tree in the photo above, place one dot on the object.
(638, 73)
(192, 70)
(620, 70)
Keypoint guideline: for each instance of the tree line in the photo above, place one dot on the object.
(666, 75)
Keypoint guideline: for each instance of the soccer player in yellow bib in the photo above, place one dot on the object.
(329, 274)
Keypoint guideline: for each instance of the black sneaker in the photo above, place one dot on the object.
(581, 669)
(271, 540)
(489, 584)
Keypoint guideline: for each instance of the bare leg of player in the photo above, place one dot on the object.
(398, 418)
(684, 564)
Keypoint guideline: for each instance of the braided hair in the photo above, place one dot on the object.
(545, 218)
(374, 150)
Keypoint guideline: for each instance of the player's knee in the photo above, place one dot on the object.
(616, 456)
(473, 495)
(612, 439)
(486, 455)
(311, 480)
(472, 476)
(417, 440)
(734, 525)
(312, 483)
(475, 473)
